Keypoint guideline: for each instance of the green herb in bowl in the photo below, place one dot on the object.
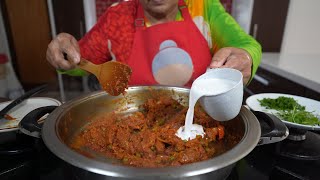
(281, 103)
(290, 110)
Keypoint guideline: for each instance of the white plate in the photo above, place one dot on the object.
(22, 109)
(310, 104)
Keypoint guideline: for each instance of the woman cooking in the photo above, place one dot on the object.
(168, 42)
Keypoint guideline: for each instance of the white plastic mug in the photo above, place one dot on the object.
(226, 105)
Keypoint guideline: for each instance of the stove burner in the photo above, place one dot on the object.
(300, 149)
(297, 134)
(271, 161)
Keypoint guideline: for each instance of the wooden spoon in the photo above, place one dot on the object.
(113, 76)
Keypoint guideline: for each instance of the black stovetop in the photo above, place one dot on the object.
(37, 163)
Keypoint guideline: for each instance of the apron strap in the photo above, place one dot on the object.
(139, 22)
(184, 10)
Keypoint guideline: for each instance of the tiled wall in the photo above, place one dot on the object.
(301, 35)
(101, 5)
(242, 13)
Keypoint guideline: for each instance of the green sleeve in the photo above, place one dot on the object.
(226, 32)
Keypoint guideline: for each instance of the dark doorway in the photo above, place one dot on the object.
(28, 31)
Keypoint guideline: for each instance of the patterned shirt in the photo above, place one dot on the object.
(116, 28)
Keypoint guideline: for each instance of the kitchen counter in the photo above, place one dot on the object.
(301, 69)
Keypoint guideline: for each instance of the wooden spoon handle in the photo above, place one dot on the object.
(85, 65)
(89, 66)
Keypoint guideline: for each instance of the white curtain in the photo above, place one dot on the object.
(10, 87)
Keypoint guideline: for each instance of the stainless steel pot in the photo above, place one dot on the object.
(68, 119)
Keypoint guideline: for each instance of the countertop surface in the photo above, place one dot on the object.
(301, 69)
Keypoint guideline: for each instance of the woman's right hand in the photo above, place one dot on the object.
(63, 43)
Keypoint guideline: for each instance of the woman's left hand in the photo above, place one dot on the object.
(236, 58)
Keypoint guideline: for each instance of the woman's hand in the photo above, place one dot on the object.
(63, 43)
(236, 58)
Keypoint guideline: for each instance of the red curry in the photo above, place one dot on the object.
(147, 138)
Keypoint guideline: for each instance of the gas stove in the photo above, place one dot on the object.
(24, 157)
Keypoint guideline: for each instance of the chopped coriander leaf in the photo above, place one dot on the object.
(299, 116)
(281, 103)
(290, 110)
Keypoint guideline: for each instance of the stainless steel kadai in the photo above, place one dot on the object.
(69, 118)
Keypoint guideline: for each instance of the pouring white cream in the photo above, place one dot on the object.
(201, 87)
